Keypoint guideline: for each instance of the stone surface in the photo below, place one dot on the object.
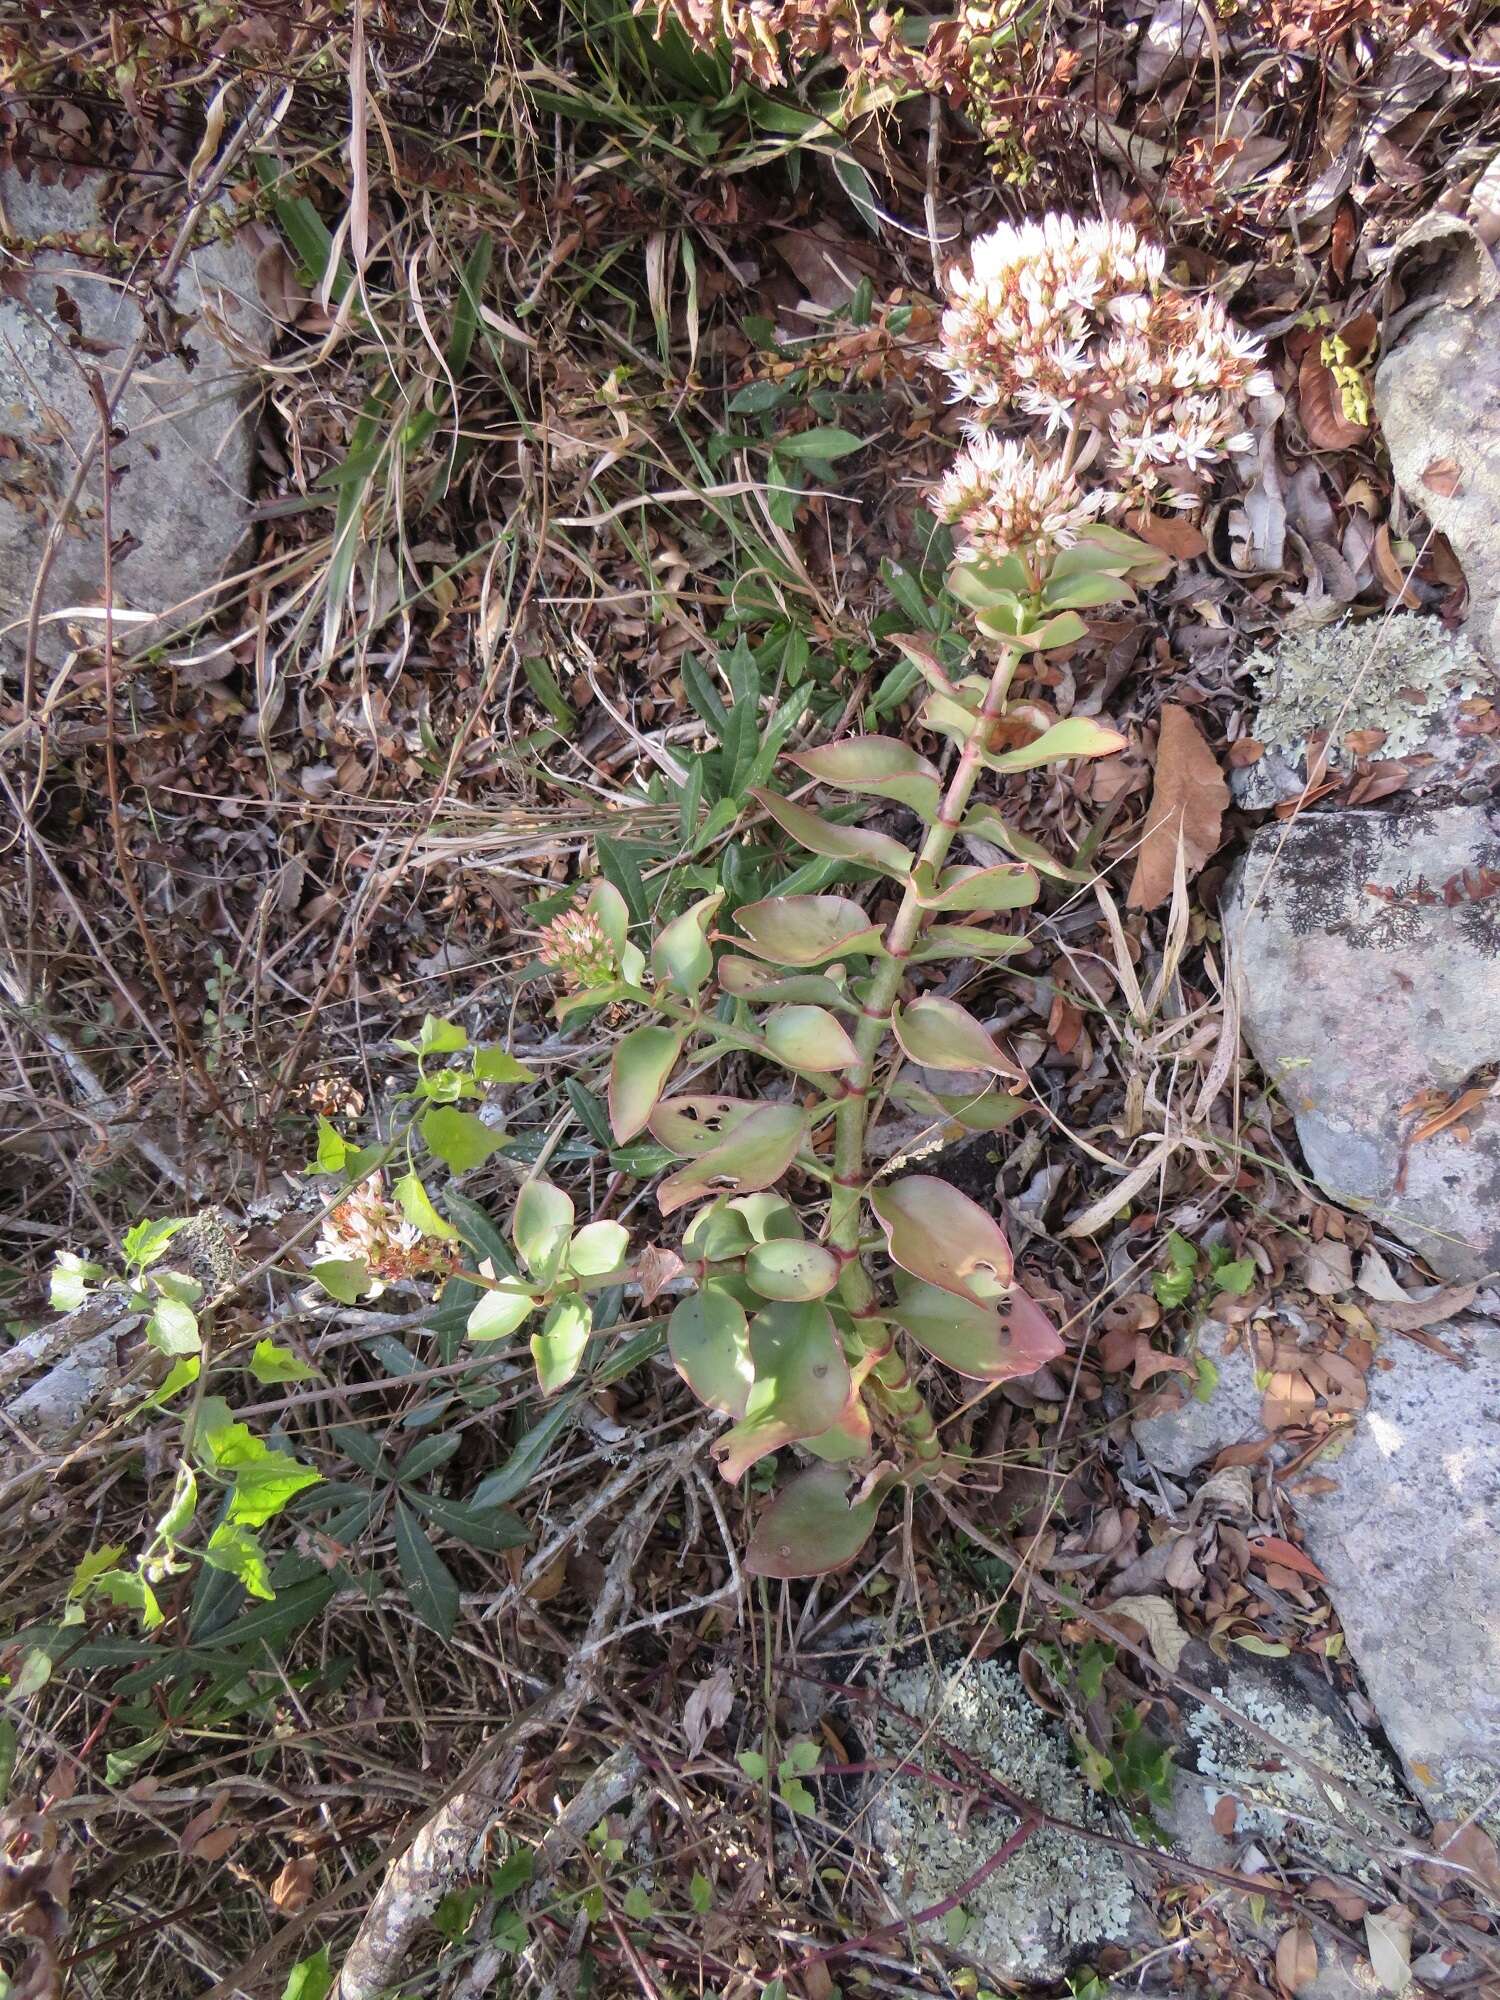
(1438, 399)
(1059, 1897)
(1410, 1544)
(1368, 972)
(1179, 1439)
(180, 500)
(1406, 676)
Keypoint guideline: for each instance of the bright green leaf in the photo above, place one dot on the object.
(173, 1328)
(416, 1205)
(460, 1139)
(233, 1548)
(598, 1248)
(493, 1064)
(499, 1313)
(270, 1363)
(71, 1279)
(541, 1226)
(559, 1347)
(346, 1279)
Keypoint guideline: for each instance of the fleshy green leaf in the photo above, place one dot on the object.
(881, 765)
(430, 1583)
(708, 1338)
(598, 1248)
(810, 1529)
(1079, 736)
(809, 1038)
(693, 1124)
(346, 1279)
(940, 1034)
(841, 843)
(747, 979)
(941, 1236)
(941, 941)
(1015, 1337)
(1011, 885)
(757, 1152)
(499, 1313)
(806, 930)
(681, 955)
(541, 1226)
(717, 1232)
(638, 1072)
(981, 584)
(988, 825)
(270, 1363)
(802, 1384)
(793, 1271)
(233, 1548)
(416, 1205)
(1079, 593)
(459, 1138)
(560, 1346)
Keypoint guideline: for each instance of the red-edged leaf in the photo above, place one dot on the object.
(991, 1343)
(638, 1072)
(801, 1385)
(839, 843)
(942, 1237)
(809, 1038)
(881, 765)
(757, 1152)
(806, 930)
(940, 1034)
(1272, 1549)
(810, 1529)
(693, 1124)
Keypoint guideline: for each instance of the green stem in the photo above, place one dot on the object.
(897, 1391)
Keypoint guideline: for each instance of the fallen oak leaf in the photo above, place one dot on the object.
(1188, 800)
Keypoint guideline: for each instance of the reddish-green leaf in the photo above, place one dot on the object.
(681, 955)
(810, 1529)
(747, 979)
(939, 1235)
(965, 941)
(692, 1125)
(708, 1337)
(757, 1152)
(782, 1269)
(881, 765)
(806, 930)
(1079, 736)
(988, 825)
(840, 843)
(1011, 885)
(801, 1387)
(638, 1072)
(942, 1035)
(983, 1341)
(809, 1038)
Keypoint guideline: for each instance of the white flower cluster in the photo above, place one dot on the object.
(1005, 498)
(368, 1228)
(1071, 324)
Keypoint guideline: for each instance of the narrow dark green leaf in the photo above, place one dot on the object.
(489, 1528)
(430, 1584)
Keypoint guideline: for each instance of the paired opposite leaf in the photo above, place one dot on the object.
(809, 1038)
(693, 1123)
(810, 1529)
(941, 1236)
(806, 930)
(801, 1384)
(681, 955)
(839, 843)
(988, 1343)
(746, 979)
(940, 1034)
(643, 1061)
(559, 1347)
(541, 1227)
(1011, 885)
(708, 1337)
(1079, 736)
(757, 1152)
(791, 1270)
(881, 765)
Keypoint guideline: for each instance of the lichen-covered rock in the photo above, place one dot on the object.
(1409, 1540)
(181, 463)
(1275, 1802)
(1437, 395)
(1366, 952)
(1406, 677)
(1059, 1896)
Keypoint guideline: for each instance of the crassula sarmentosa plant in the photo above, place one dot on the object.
(805, 1315)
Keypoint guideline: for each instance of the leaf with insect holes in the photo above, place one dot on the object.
(541, 1226)
(559, 1347)
(839, 843)
(988, 825)
(1188, 801)
(681, 955)
(991, 1343)
(801, 1384)
(693, 1124)
(757, 1152)
(941, 1236)
(881, 765)
(1011, 885)
(810, 1529)
(1079, 736)
(806, 930)
(747, 979)
(499, 1313)
(708, 1337)
(783, 1270)
(642, 1062)
(940, 1034)
(809, 1038)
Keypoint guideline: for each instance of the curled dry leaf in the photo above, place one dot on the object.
(1158, 1621)
(1413, 1314)
(707, 1708)
(1296, 1958)
(1187, 804)
(1323, 419)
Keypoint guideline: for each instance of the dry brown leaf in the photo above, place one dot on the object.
(293, 1888)
(707, 1708)
(1417, 1313)
(1466, 1845)
(1169, 533)
(1296, 1958)
(1158, 1621)
(1327, 1269)
(1188, 800)
(1442, 477)
(1224, 1816)
(1328, 429)
(655, 1268)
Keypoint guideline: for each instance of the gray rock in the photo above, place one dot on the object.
(1059, 1897)
(1410, 1544)
(1178, 1440)
(1438, 399)
(1361, 985)
(180, 499)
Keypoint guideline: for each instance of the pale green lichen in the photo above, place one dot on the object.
(1277, 1801)
(1059, 1896)
(1398, 675)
